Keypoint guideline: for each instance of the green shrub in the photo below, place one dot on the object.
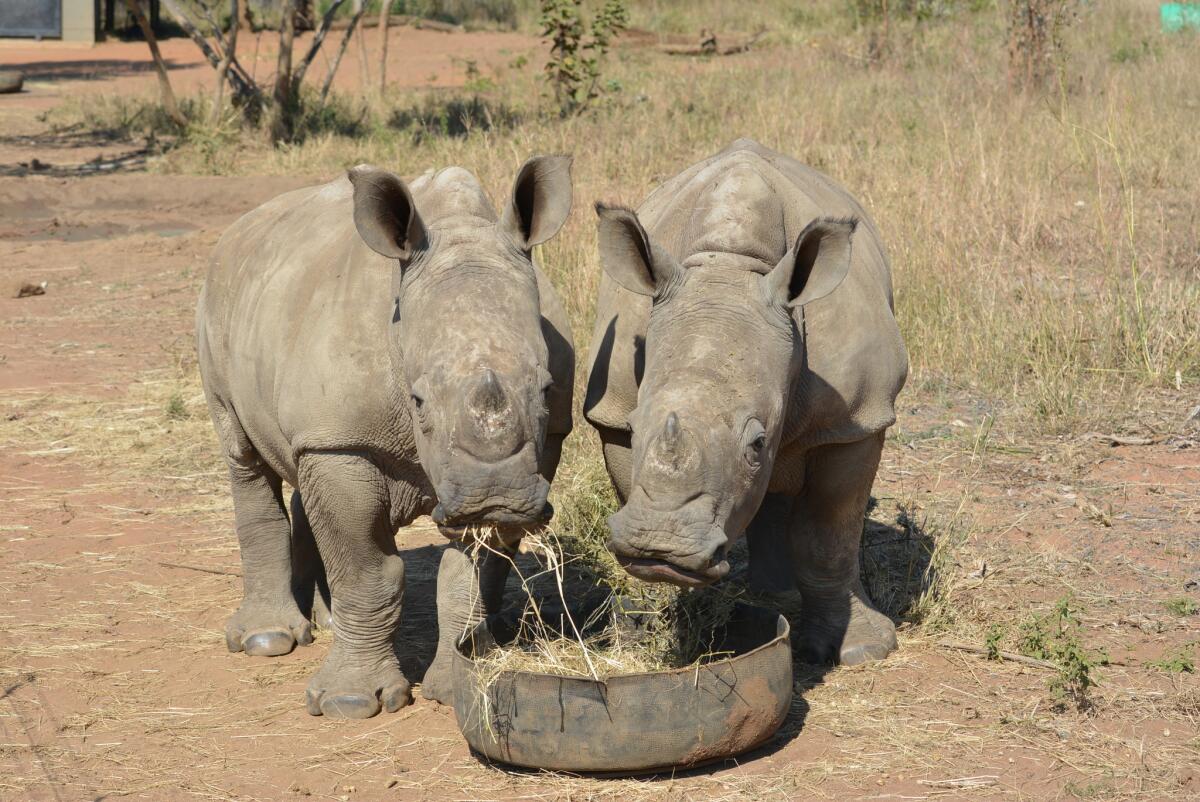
(575, 53)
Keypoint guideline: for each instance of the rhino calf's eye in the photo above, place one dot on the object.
(755, 449)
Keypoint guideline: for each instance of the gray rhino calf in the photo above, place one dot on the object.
(389, 351)
(745, 364)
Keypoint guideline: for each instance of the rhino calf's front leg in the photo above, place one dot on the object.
(838, 622)
(347, 501)
(467, 591)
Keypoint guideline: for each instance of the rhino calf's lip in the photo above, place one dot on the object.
(649, 570)
(508, 528)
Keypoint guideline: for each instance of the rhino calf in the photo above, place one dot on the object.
(389, 350)
(745, 364)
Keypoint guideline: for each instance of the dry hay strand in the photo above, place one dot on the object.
(655, 630)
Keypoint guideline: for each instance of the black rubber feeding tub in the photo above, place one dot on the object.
(630, 723)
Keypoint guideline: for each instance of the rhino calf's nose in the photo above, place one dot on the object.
(492, 431)
(488, 396)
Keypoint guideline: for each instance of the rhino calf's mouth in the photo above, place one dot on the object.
(651, 570)
(508, 526)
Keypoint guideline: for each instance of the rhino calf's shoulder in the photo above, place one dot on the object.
(744, 367)
(389, 350)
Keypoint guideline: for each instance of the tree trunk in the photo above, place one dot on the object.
(385, 6)
(281, 118)
(230, 49)
(164, 83)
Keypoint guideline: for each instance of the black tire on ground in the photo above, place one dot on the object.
(10, 81)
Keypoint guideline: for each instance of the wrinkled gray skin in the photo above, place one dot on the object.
(744, 367)
(389, 351)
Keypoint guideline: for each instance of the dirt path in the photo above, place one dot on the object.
(416, 58)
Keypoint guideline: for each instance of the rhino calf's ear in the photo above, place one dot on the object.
(540, 202)
(815, 265)
(384, 213)
(628, 255)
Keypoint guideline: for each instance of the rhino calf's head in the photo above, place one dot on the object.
(470, 358)
(722, 349)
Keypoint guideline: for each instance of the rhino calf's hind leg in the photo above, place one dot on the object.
(268, 622)
(309, 583)
(467, 592)
(346, 498)
(838, 621)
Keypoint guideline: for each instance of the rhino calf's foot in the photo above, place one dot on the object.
(342, 689)
(870, 636)
(438, 684)
(266, 629)
(848, 632)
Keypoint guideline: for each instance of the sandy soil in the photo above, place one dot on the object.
(119, 566)
(416, 58)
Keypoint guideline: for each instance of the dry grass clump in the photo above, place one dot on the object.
(158, 432)
(654, 628)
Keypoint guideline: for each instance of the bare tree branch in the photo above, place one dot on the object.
(318, 39)
(337, 60)
(364, 68)
(164, 83)
(385, 7)
(244, 88)
(212, 23)
(281, 119)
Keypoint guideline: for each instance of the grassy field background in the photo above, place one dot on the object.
(1044, 242)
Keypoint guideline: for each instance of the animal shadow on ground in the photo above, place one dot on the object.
(417, 637)
(900, 563)
(92, 69)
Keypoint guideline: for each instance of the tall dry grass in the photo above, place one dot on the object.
(1045, 246)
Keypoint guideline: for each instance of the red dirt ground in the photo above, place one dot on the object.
(119, 566)
(416, 58)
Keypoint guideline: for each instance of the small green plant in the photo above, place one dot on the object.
(1182, 662)
(476, 81)
(1130, 53)
(1089, 790)
(1182, 606)
(1054, 637)
(991, 641)
(176, 408)
(577, 51)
